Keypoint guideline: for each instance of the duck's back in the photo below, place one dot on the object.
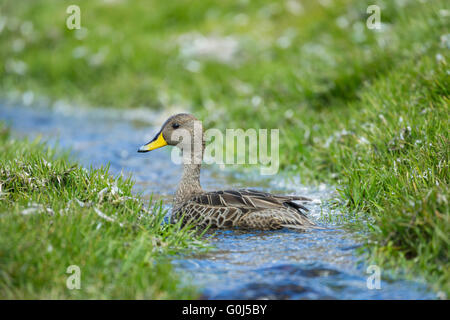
(245, 209)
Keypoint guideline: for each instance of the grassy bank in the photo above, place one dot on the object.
(54, 214)
(364, 109)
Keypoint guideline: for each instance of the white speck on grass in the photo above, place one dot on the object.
(325, 3)
(18, 45)
(242, 87)
(363, 140)
(440, 58)
(114, 189)
(382, 118)
(444, 13)
(13, 24)
(101, 194)
(35, 208)
(16, 66)
(284, 42)
(27, 29)
(79, 52)
(241, 19)
(209, 104)
(359, 34)
(288, 113)
(337, 136)
(79, 202)
(269, 10)
(401, 3)
(342, 22)
(221, 49)
(81, 33)
(294, 7)
(104, 216)
(193, 66)
(328, 141)
(286, 38)
(307, 133)
(29, 211)
(98, 58)
(445, 41)
(256, 101)
(2, 23)
(318, 51)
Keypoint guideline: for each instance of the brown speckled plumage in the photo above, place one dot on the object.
(244, 209)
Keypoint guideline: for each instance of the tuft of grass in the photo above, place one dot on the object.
(393, 166)
(55, 214)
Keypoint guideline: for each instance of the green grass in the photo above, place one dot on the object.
(363, 109)
(393, 166)
(48, 222)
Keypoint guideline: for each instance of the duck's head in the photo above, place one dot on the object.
(172, 132)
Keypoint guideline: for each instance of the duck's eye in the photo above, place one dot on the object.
(175, 125)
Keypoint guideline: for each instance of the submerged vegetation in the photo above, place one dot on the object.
(55, 214)
(364, 109)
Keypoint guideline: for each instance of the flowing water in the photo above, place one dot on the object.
(318, 264)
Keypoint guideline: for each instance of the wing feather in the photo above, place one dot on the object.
(248, 201)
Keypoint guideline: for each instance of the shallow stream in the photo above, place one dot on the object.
(319, 264)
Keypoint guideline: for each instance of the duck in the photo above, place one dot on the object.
(245, 209)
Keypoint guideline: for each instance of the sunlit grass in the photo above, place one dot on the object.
(54, 214)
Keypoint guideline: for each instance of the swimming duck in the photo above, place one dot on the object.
(225, 209)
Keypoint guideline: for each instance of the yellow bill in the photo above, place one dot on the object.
(157, 142)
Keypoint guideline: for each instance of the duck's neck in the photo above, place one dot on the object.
(189, 184)
(192, 161)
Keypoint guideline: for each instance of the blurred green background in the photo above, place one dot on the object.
(207, 54)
